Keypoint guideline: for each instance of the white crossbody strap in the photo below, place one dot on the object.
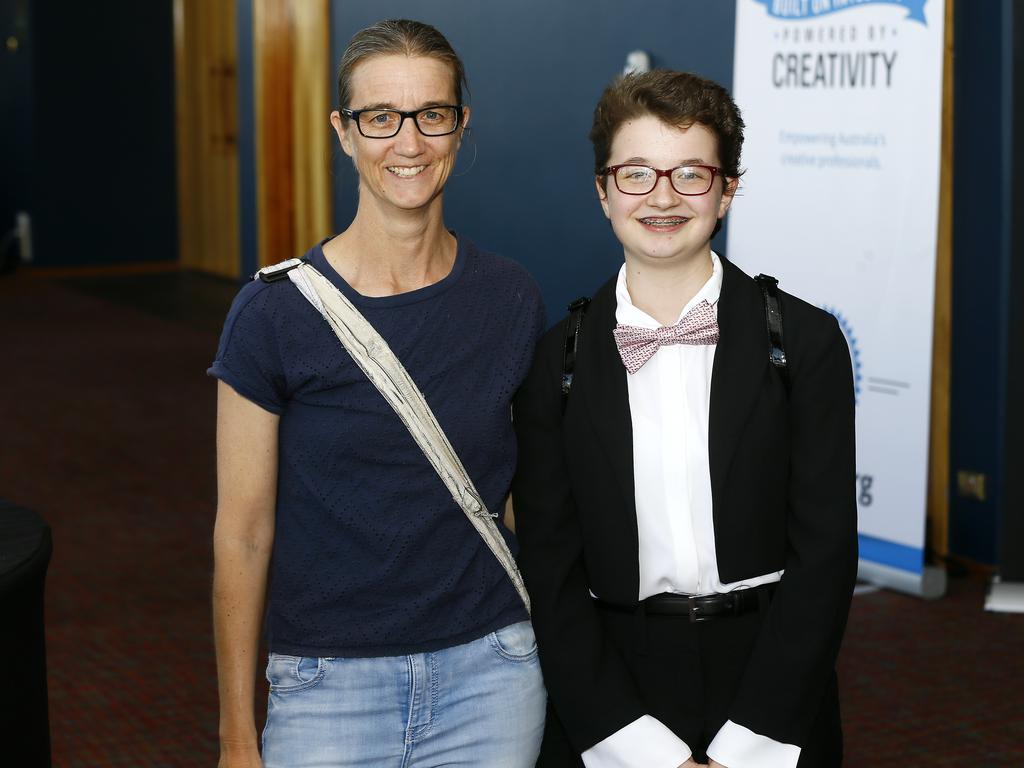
(373, 355)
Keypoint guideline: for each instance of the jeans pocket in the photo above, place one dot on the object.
(516, 642)
(288, 674)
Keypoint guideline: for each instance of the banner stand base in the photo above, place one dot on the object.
(929, 584)
(1005, 596)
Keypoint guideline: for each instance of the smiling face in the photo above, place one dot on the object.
(664, 227)
(407, 171)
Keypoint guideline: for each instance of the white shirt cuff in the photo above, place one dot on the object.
(645, 741)
(737, 747)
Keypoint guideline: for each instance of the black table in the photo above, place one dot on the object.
(25, 548)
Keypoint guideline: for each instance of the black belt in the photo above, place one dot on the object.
(702, 607)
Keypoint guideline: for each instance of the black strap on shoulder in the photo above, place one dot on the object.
(277, 272)
(573, 324)
(773, 313)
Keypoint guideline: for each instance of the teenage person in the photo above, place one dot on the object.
(396, 637)
(686, 515)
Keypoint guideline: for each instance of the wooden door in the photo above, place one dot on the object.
(293, 132)
(937, 539)
(206, 66)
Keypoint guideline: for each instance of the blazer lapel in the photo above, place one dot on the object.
(738, 372)
(603, 385)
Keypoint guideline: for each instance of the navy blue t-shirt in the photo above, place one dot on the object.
(371, 556)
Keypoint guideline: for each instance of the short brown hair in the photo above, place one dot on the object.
(397, 36)
(676, 98)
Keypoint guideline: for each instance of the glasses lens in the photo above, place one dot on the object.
(379, 123)
(437, 121)
(635, 179)
(692, 179)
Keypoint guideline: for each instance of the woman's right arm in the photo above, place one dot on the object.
(242, 541)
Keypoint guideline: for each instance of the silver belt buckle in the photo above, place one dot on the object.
(695, 616)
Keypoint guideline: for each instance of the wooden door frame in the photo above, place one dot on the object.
(206, 117)
(292, 65)
(937, 539)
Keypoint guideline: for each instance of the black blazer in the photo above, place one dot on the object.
(782, 479)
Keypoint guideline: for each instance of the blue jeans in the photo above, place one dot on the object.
(477, 704)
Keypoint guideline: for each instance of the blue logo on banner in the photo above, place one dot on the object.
(810, 9)
(851, 341)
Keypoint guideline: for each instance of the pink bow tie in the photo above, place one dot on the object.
(638, 345)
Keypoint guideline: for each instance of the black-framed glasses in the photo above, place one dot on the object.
(438, 120)
(632, 179)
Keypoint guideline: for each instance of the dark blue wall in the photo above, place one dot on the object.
(103, 170)
(15, 116)
(248, 207)
(981, 267)
(536, 69)
(1011, 533)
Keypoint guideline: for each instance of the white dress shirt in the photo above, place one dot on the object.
(669, 402)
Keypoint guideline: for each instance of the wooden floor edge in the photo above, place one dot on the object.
(957, 565)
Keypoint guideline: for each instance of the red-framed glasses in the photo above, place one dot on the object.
(633, 179)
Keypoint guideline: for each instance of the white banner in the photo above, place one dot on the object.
(842, 100)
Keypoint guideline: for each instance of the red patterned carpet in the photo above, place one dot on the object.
(937, 683)
(107, 431)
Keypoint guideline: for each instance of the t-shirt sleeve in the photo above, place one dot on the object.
(248, 356)
(531, 301)
(531, 318)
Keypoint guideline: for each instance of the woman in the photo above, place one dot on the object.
(686, 516)
(395, 636)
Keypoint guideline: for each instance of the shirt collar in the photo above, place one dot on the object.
(626, 313)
